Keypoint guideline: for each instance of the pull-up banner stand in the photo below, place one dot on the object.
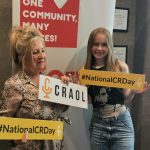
(66, 25)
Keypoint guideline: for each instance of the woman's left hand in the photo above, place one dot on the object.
(25, 138)
(66, 79)
(145, 88)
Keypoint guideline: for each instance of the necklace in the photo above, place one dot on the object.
(35, 80)
(97, 66)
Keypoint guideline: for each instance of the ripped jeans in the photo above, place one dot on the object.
(114, 133)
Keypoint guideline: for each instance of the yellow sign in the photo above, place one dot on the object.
(112, 79)
(15, 128)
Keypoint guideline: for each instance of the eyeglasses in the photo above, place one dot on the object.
(102, 44)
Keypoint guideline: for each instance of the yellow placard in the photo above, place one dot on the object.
(15, 128)
(112, 79)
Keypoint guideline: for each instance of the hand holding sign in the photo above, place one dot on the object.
(24, 139)
(145, 88)
(65, 79)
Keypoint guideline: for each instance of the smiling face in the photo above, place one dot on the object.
(39, 56)
(100, 49)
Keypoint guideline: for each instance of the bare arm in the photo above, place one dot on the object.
(128, 92)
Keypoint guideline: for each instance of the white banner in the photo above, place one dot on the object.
(54, 90)
(70, 58)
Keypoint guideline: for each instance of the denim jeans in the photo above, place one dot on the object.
(114, 133)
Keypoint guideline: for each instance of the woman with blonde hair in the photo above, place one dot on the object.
(20, 94)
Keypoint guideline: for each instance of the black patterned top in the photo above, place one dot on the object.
(101, 95)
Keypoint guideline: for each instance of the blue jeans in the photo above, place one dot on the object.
(114, 133)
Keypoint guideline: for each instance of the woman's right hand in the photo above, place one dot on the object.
(65, 79)
(24, 140)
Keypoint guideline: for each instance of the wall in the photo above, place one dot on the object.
(5, 60)
(127, 38)
(5, 25)
(141, 104)
(138, 41)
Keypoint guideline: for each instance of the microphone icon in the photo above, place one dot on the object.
(47, 90)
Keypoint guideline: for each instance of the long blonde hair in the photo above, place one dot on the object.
(21, 42)
(112, 64)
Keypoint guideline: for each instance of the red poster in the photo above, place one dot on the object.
(56, 19)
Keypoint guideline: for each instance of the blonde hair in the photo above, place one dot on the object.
(21, 43)
(112, 64)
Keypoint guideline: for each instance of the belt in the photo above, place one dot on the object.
(110, 111)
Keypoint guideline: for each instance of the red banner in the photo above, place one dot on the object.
(56, 19)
